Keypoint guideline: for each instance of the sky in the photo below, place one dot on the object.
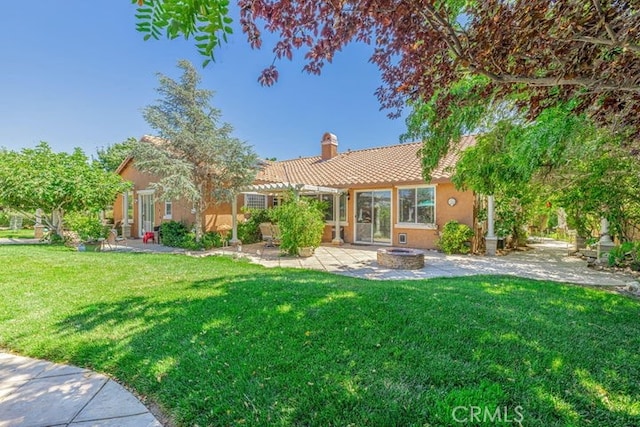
(76, 73)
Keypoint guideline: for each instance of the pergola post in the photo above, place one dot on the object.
(491, 240)
(234, 221)
(337, 239)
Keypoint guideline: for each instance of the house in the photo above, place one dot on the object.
(375, 195)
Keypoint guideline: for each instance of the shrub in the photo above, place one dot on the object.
(249, 230)
(88, 227)
(177, 235)
(301, 223)
(211, 239)
(455, 237)
(625, 255)
(174, 234)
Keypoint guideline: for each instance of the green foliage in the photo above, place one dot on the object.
(455, 238)
(195, 157)
(249, 230)
(208, 22)
(174, 233)
(178, 235)
(626, 254)
(55, 182)
(468, 110)
(301, 222)
(113, 155)
(211, 239)
(88, 226)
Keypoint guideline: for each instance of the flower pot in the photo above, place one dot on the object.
(306, 251)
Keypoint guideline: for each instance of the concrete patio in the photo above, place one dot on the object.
(546, 260)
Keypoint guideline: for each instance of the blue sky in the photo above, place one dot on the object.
(76, 73)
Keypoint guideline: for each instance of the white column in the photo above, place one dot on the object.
(234, 221)
(604, 231)
(337, 240)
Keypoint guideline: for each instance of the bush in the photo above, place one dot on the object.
(174, 234)
(249, 230)
(455, 237)
(177, 235)
(88, 227)
(211, 239)
(625, 255)
(301, 223)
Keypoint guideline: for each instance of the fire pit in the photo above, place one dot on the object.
(401, 258)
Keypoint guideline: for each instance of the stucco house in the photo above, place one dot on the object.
(376, 195)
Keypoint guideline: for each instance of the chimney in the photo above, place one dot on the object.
(329, 146)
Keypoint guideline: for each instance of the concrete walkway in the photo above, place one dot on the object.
(35, 393)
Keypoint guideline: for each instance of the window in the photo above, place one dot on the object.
(127, 207)
(168, 210)
(416, 205)
(328, 199)
(255, 201)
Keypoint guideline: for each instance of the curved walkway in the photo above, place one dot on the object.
(35, 393)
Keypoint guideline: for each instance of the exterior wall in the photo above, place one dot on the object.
(417, 236)
(219, 217)
(181, 211)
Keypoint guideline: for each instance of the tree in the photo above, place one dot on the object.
(57, 183)
(194, 156)
(113, 155)
(536, 53)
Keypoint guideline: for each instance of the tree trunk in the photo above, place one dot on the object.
(198, 225)
(58, 222)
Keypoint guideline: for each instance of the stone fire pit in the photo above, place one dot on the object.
(401, 258)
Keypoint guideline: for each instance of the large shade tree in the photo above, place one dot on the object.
(194, 156)
(111, 156)
(440, 55)
(57, 183)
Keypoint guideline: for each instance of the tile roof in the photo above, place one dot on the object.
(395, 164)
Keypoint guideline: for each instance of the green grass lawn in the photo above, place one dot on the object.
(17, 234)
(216, 341)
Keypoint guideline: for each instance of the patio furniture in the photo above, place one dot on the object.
(270, 234)
(157, 234)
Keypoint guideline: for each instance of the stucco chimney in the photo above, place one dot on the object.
(329, 146)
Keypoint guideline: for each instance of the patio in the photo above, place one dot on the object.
(547, 260)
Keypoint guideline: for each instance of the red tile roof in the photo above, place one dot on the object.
(397, 164)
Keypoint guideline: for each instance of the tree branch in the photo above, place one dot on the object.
(607, 27)
(595, 40)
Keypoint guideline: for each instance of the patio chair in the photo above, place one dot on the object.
(275, 234)
(266, 230)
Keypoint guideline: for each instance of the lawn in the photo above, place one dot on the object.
(216, 341)
(17, 234)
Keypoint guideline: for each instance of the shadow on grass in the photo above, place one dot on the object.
(292, 347)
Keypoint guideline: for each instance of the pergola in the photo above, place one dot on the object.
(274, 188)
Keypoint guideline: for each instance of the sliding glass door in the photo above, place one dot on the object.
(373, 217)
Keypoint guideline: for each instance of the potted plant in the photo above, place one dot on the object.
(301, 223)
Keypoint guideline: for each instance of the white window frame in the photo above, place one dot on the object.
(343, 220)
(246, 201)
(416, 225)
(168, 210)
(127, 211)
